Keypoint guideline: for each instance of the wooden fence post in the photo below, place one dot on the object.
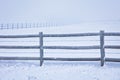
(102, 49)
(41, 48)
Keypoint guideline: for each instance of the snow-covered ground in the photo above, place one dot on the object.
(57, 70)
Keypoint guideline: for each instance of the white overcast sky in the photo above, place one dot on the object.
(59, 10)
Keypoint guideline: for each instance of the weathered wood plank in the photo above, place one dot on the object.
(41, 48)
(50, 47)
(71, 35)
(112, 59)
(60, 59)
(112, 34)
(50, 58)
(18, 36)
(19, 58)
(72, 59)
(112, 46)
(60, 35)
(72, 47)
(19, 47)
(50, 35)
(102, 49)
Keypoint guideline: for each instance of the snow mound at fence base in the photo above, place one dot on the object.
(58, 71)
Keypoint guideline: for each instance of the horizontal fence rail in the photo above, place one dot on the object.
(19, 47)
(41, 47)
(112, 47)
(71, 35)
(71, 47)
(60, 59)
(59, 35)
(18, 36)
(50, 58)
(112, 34)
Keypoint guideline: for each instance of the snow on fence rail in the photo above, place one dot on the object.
(102, 47)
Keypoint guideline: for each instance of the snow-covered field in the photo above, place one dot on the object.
(57, 70)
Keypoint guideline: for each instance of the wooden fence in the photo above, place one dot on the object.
(41, 47)
(26, 25)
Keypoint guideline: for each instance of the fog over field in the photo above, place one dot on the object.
(59, 11)
(20, 17)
